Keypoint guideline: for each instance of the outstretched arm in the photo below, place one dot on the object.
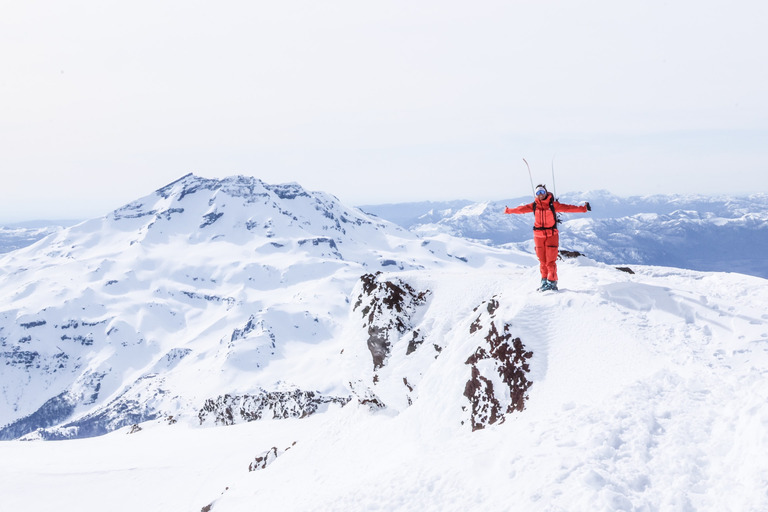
(524, 208)
(571, 208)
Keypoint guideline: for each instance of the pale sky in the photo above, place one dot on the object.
(102, 102)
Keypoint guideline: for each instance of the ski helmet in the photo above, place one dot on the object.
(541, 190)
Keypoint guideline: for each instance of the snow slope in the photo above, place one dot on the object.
(441, 381)
(647, 393)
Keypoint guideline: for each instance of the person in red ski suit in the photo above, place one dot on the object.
(545, 235)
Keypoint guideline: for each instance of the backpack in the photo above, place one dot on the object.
(554, 215)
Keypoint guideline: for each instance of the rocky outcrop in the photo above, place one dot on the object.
(231, 409)
(388, 307)
(498, 382)
(266, 458)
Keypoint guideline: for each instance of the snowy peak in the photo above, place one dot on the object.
(237, 208)
(193, 295)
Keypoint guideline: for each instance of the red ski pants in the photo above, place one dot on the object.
(547, 242)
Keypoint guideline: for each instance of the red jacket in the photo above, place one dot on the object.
(544, 218)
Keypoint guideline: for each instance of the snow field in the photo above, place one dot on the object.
(642, 405)
(652, 404)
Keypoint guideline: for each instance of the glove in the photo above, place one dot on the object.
(507, 209)
(589, 208)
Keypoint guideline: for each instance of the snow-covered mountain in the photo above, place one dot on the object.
(684, 231)
(189, 300)
(348, 364)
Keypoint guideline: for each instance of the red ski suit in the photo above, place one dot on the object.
(545, 235)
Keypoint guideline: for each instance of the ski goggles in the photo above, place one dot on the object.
(541, 191)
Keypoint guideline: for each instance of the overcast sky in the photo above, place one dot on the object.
(102, 102)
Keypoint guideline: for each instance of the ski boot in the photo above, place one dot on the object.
(547, 285)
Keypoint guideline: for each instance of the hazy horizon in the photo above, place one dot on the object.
(379, 102)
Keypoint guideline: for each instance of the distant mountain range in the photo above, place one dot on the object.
(18, 235)
(727, 234)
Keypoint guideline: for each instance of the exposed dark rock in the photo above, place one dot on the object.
(388, 307)
(288, 191)
(167, 214)
(365, 396)
(21, 358)
(133, 211)
(319, 240)
(410, 390)
(626, 269)
(230, 301)
(239, 334)
(83, 340)
(231, 409)
(415, 342)
(509, 362)
(266, 458)
(569, 254)
(35, 323)
(210, 218)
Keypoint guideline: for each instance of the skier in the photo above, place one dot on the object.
(545, 234)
